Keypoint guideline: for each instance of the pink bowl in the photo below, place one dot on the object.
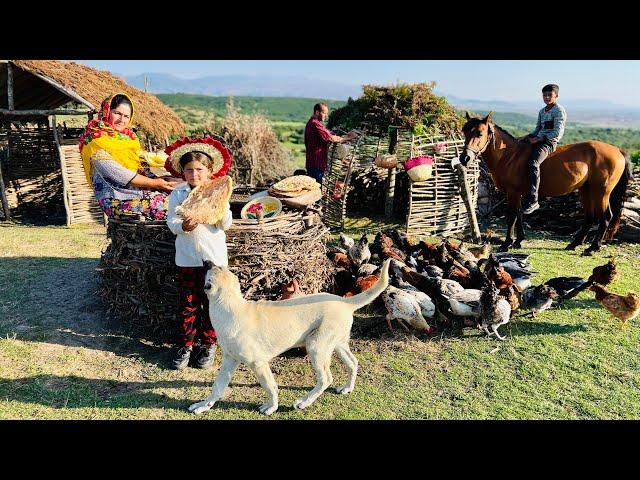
(417, 161)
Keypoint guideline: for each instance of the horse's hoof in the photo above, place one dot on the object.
(504, 247)
(517, 246)
(588, 253)
(570, 247)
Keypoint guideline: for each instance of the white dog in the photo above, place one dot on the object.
(255, 332)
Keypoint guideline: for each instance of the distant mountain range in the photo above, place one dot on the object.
(247, 85)
(591, 111)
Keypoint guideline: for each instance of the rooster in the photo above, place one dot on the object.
(622, 307)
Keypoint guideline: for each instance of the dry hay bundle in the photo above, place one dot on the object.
(207, 203)
(137, 271)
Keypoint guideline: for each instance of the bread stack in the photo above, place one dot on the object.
(297, 191)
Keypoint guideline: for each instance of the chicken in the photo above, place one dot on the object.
(291, 290)
(391, 252)
(497, 274)
(433, 271)
(427, 306)
(480, 252)
(605, 274)
(459, 254)
(367, 269)
(401, 240)
(380, 242)
(429, 251)
(344, 281)
(404, 307)
(466, 303)
(340, 259)
(494, 310)
(523, 257)
(359, 253)
(566, 285)
(346, 242)
(622, 307)
(365, 283)
(538, 299)
(513, 295)
(601, 274)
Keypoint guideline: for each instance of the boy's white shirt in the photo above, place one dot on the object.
(205, 242)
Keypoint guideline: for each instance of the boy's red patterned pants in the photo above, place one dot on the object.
(194, 307)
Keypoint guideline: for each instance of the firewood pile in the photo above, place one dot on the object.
(137, 270)
(366, 194)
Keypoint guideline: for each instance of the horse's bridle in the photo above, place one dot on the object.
(477, 153)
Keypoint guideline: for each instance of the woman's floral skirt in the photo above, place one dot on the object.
(152, 206)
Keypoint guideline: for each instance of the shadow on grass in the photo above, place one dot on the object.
(534, 327)
(62, 392)
(54, 300)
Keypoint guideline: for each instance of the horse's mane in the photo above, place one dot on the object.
(504, 131)
(473, 122)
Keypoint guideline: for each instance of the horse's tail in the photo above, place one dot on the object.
(617, 198)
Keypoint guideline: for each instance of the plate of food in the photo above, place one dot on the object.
(262, 207)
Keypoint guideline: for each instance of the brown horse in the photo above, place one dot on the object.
(599, 171)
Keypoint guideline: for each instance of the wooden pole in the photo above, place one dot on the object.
(3, 194)
(10, 111)
(10, 86)
(466, 197)
(391, 178)
(63, 168)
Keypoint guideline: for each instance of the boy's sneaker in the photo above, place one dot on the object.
(528, 208)
(182, 357)
(206, 357)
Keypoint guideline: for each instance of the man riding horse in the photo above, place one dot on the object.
(545, 138)
(599, 171)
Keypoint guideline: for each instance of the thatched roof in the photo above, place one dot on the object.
(88, 86)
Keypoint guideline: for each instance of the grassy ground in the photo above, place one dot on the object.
(63, 357)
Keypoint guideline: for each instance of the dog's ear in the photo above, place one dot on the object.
(208, 265)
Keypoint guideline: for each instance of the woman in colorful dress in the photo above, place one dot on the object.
(118, 168)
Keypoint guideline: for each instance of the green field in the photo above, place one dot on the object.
(62, 356)
(289, 115)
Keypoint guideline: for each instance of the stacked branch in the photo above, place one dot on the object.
(137, 272)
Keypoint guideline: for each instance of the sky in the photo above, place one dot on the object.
(617, 81)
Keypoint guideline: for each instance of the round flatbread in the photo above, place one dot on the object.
(296, 183)
(207, 203)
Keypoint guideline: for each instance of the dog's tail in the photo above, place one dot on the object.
(368, 296)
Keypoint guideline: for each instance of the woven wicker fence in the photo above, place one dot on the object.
(137, 270)
(435, 206)
(79, 198)
(31, 173)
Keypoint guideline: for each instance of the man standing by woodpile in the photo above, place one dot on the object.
(316, 141)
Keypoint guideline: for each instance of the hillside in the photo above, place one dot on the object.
(289, 114)
(282, 109)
